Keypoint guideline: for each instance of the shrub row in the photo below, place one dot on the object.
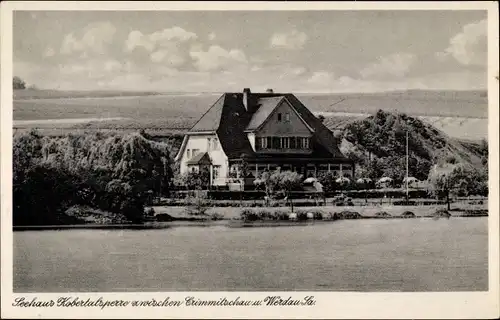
(281, 203)
(235, 203)
(280, 215)
(259, 194)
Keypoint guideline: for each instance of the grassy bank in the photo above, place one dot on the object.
(230, 213)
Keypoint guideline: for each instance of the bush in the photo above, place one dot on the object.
(441, 213)
(318, 215)
(197, 205)
(348, 215)
(161, 217)
(476, 213)
(216, 216)
(382, 214)
(84, 214)
(249, 215)
(408, 214)
(302, 214)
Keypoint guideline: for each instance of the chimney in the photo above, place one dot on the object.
(269, 91)
(246, 98)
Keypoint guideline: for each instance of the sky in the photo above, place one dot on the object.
(217, 51)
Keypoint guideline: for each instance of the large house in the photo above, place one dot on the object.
(258, 132)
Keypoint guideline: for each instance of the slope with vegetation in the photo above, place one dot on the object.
(378, 144)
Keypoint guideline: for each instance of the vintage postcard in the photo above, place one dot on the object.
(249, 160)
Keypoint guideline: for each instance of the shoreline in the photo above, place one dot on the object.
(227, 223)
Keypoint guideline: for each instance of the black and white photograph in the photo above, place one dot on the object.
(251, 151)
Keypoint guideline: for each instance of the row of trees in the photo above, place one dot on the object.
(457, 180)
(463, 180)
(114, 173)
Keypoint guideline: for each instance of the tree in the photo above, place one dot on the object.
(449, 181)
(280, 181)
(115, 173)
(328, 180)
(18, 83)
(374, 169)
(321, 118)
(194, 180)
(287, 181)
(197, 205)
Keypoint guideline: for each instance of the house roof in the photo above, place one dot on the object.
(200, 158)
(229, 118)
(211, 119)
(267, 106)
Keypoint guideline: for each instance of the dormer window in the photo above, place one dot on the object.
(279, 117)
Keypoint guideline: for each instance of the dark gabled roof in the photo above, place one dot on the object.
(324, 137)
(200, 158)
(229, 118)
(211, 119)
(267, 106)
(231, 132)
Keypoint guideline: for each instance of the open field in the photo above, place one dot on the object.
(27, 94)
(461, 115)
(138, 107)
(461, 104)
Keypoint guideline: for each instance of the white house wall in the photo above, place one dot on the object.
(218, 156)
(251, 138)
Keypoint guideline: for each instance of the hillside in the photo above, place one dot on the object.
(378, 144)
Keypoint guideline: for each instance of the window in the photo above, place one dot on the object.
(285, 143)
(299, 143)
(215, 144)
(287, 117)
(188, 153)
(216, 172)
(194, 152)
(261, 143)
(209, 144)
(323, 168)
(305, 143)
(279, 117)
(276, 142)
(282, 143)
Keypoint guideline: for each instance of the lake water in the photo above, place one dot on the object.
(358, 255)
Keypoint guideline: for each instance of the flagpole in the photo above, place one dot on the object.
(407, 166)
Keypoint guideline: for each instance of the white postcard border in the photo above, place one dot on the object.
(328, 304)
